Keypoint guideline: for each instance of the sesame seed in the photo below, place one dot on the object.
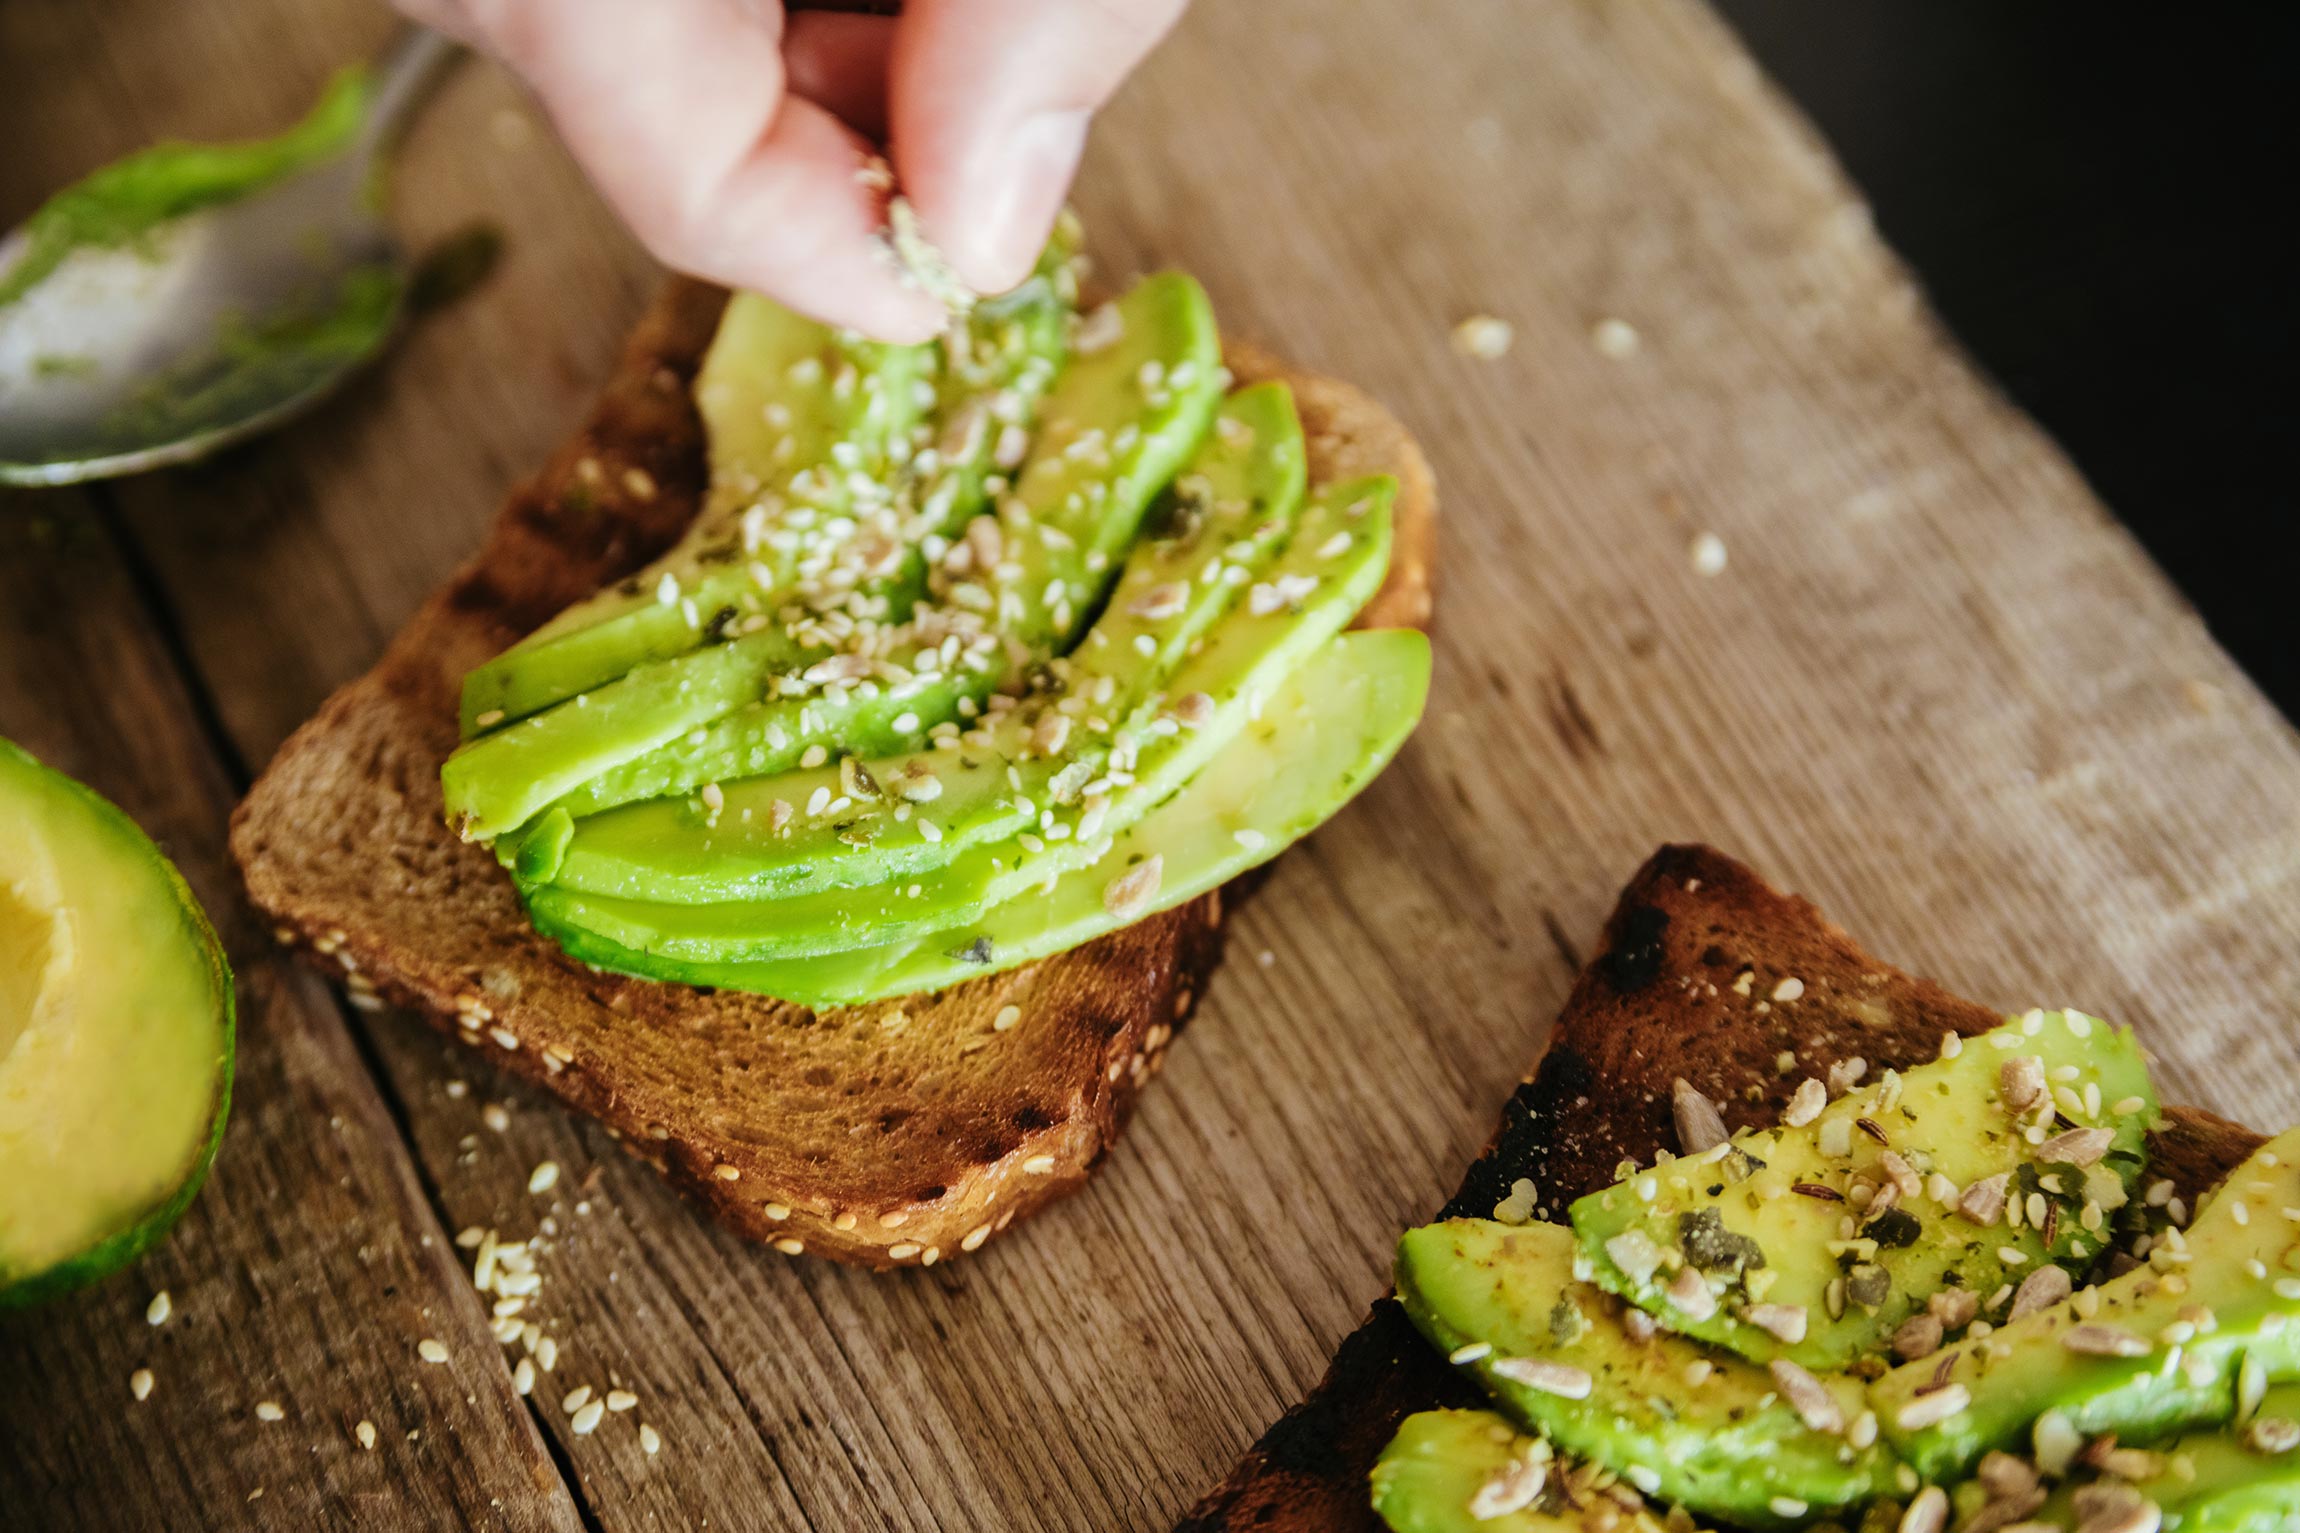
(974, 1238)
(588, 1418)
(430, 1351)
(902, 1250)
(1615, 339)
(1787, 1506)
(620, 1400)
(269, 1410)
(1560, 1379)
(1790, 989)
(1483, 337)
(650, 1440)
(495, 1117)
(365, 1433)
(157, 1312)
(503, 1037)
(1933, 1408)
(140, 1383)
(1038, 1165)
(789, 1246)
(575, 1399)
(1252, 840)
(523, 1376)
(544, 1177)
(1470, 1353)
(778, 1212)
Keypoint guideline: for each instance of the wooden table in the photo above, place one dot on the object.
(1934, 686)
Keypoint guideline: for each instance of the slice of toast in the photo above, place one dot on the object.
(1688, 981)
(891, 1134)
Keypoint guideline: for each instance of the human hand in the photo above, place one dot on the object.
(734, 139)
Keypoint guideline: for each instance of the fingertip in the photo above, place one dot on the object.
(990, 212)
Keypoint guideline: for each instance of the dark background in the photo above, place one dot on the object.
(2088, 193)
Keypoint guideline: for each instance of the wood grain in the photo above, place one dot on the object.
(1935, 687)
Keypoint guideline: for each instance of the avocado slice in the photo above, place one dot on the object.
(1434, 1472)
(1328, 731)
(2143, 1355)
(787, 403)
(1239, 499)
(1792, 1258)
(2243, 1478)
(1247, 656)
(993, 377)
(1684, 1423)
(116, 1031)
(1107, 445)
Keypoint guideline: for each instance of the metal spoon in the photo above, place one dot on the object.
(221, 322)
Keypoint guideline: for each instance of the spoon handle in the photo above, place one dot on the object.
(404, 75)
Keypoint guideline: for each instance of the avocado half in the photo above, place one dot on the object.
(116, 1035)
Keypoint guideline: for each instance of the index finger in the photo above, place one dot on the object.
(989, 105)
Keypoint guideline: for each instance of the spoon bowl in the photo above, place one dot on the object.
(213, 324)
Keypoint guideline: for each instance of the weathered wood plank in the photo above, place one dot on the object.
(311, 1265)
(1934, 687)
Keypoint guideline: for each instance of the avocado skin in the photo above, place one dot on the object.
(118, 1250)
(1717, 1449)
(1425, 1478)
(2023, 1369)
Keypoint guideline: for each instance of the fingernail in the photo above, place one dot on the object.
(1009, 198)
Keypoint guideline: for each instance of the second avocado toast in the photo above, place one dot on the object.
(1721, 1017)
(918, 1126)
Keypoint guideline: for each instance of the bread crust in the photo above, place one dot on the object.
(1659, 1001)
(887, 1135)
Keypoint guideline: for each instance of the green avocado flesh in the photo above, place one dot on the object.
(684, 850)
(2151, 1352)
(1328, 731)
(805, 427)
(1686, 1425)
(2171, 1391)
(2243, 1478)
(976, 651)
(1447, 1471)
(116, 1015)
(1104, 448)
(1792, 1258)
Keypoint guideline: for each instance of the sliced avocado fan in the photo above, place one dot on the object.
(116, 1031)
(918, 811)
(1107, 443)
(1330, 729)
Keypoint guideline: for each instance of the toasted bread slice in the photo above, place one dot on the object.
(1664, 998)
(885, 1135)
